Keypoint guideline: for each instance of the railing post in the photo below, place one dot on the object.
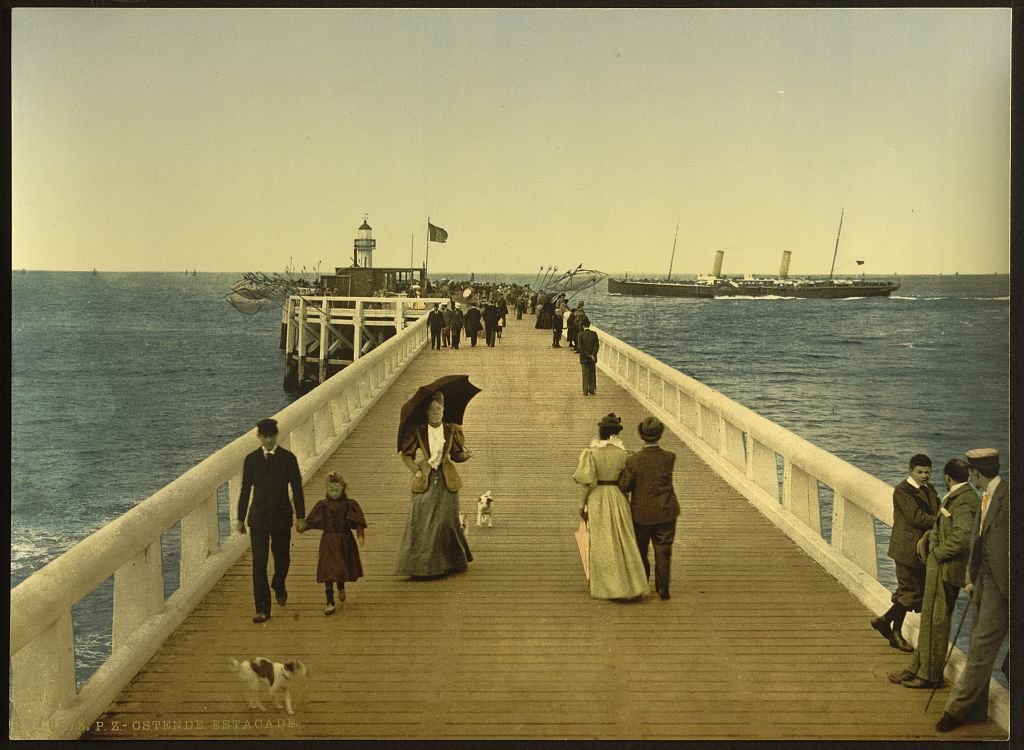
(853, 534)
(199, 537)
(300, 347)
(800, 495)
(762, 468)
(357, 330)
(730, 445)
(325, 319)
(234, 490)
(399, 315)
(138, 592)
(42, 678)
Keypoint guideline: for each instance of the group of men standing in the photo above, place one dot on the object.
(447, 322)
(940, 546)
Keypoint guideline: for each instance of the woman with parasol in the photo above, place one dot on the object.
(434, 543)
(616, 570)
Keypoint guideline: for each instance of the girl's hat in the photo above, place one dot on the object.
(335, 478)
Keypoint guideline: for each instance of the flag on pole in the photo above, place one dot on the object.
(437, 234)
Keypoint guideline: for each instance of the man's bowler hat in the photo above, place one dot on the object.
(650, 429)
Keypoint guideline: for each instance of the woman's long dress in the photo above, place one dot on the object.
(433, 544)
(616, 570)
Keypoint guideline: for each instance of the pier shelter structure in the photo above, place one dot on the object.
(322, 334)
(766, 635)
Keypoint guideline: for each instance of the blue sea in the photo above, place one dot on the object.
(123, 381)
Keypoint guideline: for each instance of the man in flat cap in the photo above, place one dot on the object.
(647, 480)
(915, 504)
(988, 583)
(266, 474)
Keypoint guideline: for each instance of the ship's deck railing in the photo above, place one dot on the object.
(745, 449)
(44, 700)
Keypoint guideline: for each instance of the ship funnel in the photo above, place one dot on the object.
(784, 268)
(717, 270)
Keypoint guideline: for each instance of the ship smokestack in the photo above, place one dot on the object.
(717, 270)
(784, 268)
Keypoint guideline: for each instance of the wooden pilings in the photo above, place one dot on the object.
(322, 335)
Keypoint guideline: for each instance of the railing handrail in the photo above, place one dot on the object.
(866, 490)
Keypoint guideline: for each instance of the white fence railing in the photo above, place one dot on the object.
(44, 702)
(745, 448)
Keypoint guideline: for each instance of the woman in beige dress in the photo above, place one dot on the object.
(616, 570)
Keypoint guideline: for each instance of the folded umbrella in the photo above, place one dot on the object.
(582, 535)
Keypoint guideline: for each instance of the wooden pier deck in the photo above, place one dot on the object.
(757, 642)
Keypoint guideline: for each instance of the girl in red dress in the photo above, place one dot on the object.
(337, 515)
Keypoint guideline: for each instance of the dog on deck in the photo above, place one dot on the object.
(273, 676)
(483, 509)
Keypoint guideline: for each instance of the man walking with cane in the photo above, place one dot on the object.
(988, 582)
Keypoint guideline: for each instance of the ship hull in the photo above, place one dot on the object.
(822, 290)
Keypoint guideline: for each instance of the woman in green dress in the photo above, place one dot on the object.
(616, 570)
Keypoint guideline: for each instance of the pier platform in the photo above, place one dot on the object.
(758, 641)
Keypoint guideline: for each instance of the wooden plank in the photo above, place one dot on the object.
(757, 642)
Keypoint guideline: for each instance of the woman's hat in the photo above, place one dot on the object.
(650, 429)
(609, 421)
(335, 478)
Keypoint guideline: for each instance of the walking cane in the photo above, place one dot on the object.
(948, 654)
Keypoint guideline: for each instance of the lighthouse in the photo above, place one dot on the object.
(364, 246)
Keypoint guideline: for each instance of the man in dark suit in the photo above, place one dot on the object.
(266, 474)
(647, 479)
(458, 320)
(472, 323)
(915, 504)
(490, 316)
(587, 345)
(435, 322)
(988, 583)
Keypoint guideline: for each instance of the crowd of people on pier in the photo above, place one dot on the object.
(627, 506)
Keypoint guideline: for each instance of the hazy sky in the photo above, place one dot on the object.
(233, 139)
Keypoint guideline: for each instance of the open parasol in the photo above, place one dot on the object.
(457, 392)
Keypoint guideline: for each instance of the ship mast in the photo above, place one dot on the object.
(836, 252)
(673, 258)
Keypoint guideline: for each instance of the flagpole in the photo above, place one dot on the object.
(412, 244)
(426, 257)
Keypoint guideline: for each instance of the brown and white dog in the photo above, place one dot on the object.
(273, 676)
(483, 509)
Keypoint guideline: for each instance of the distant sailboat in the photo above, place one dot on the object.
(94, 272)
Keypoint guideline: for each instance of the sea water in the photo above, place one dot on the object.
(121, 382)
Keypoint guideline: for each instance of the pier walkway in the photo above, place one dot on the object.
(759, 640)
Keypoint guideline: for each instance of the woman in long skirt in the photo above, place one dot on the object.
(616, 570)
(434, 543)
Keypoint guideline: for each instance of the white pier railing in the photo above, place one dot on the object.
(44, 702)
(745, 448)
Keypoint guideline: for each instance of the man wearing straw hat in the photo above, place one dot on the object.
(988, 583)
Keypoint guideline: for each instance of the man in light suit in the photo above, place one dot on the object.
(266, 474)
(945, 550)
(988, 583)
(647, 480)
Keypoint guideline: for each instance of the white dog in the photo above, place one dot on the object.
(275, 677)
(483, 509)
